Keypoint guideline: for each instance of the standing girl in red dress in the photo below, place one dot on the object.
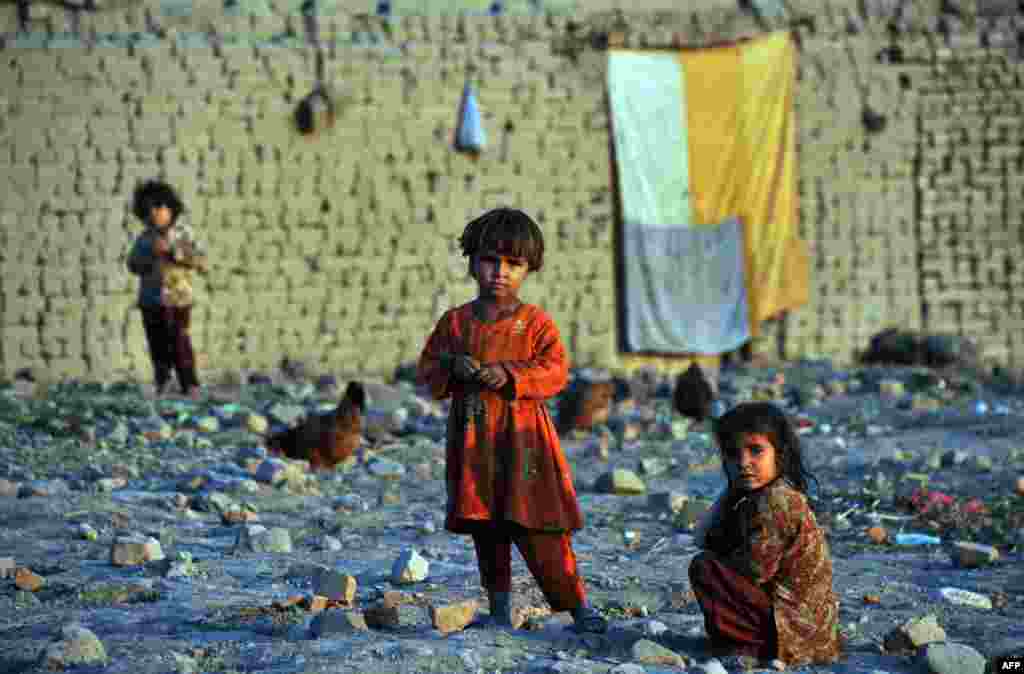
(508, 480)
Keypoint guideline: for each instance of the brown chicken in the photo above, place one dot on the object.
(325, 440)
(693, 394)
(587, 405)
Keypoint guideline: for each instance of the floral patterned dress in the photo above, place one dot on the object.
(772, 537)
(504, 460)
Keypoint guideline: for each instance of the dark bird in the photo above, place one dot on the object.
(693, 394)
(325, 440)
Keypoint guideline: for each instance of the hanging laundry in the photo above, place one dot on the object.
(469, 130)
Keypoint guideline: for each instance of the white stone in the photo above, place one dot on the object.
(272, 540)
(135, 550)
(712, 666)
(386, 469)
(953, 658)
(965, 598)
(257, 423)
(77, 646)
(628, 668)
(655, 628)
(410, 567)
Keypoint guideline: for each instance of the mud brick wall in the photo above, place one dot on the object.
(341, 250)
(972, 193)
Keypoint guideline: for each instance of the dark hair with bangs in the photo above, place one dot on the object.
(506, 231)
(152, 194)
(767, 419)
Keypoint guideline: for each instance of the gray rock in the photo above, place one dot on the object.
(277, 540)
(216, 502)
(712, 666)
(109, 484)
(654, 628)
(44, 489)
(666, 502)
(620, 481)
(330, 544)
(651, 653)
(964, 598)
(628, 668)
(351, 502)
(76, 646)
(86, 532)
(953, 658)
(289, 415)
(953, 458)
(410, 567)
(914, 634)
(184, 664)
(7, 567)
(384, 397)
(386, 469)
(9, 489)
(250, 453)
(272, 471)
(653, 466)
(246, 533)
(135, 550)
(208, 424)
(983, 463)
(337, 621)
(256, 423)
(181, 567)
(334, 584)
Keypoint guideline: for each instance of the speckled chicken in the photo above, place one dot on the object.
(325, 440)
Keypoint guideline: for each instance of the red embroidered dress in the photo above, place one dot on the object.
(504, 460)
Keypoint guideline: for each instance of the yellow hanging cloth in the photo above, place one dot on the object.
(778, 262)
(742, 161)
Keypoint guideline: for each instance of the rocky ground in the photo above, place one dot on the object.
(143, 535)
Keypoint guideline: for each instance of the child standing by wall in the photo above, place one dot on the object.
(764, 580)
(508, 481)
(164, 256)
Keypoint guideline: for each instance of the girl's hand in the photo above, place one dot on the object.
(494, 376)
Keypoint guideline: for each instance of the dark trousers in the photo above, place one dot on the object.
(548, 555)
(738, 613)
(170, 345)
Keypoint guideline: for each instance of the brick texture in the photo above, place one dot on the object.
(341, 249)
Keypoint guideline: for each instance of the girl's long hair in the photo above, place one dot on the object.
(767, 419)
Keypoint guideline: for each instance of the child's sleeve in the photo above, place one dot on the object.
(431, 371)
(141, 258)
(774, 530)
(547, 373)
